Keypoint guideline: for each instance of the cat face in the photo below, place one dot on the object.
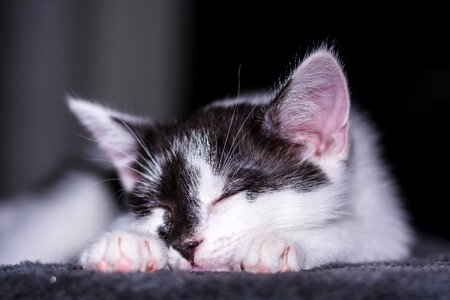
(235, 169)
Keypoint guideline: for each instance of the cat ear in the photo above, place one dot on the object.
(313, 106)
(116, 133)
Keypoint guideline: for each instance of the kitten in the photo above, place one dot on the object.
(275, 182)
(268, 183)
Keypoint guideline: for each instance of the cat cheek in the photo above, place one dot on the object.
(212, 210)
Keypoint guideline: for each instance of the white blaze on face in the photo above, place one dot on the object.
(210, 187)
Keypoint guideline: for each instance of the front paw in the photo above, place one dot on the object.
(271, 254)
(125, 252)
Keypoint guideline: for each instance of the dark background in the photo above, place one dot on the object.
(167, 58)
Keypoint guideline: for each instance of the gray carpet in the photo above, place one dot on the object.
(424, 276)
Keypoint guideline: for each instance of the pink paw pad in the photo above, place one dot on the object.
(103, 266)
(124, 265)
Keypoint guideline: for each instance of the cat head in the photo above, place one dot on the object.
(236, 168)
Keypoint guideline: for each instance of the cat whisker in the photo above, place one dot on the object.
(228, 133)
(145, 168)
(232, 149)
(121, 192)
(122, 152)
(105, 180)
(111, 162)
(141, 142)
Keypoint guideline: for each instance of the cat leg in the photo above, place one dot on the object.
(131, 245)
(125, 251)
(300, 250)
(350, 242)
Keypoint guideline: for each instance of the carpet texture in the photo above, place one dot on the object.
(424, 276)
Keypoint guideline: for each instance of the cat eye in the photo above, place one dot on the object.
(218, 200)
(166, 208)
(222, 198)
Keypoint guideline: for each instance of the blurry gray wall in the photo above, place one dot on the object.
(132, 55)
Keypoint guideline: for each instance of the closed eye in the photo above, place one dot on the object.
(166, 209)
(223, 198)
(218, 200)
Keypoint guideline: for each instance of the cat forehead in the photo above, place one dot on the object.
(222, 117)
(213, 129)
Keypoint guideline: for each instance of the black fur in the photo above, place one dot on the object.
(176, 190)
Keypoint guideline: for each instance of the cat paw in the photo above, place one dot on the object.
(125, 252)
(271, 254)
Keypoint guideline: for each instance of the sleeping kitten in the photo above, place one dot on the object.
(276, 182)
(266, 183)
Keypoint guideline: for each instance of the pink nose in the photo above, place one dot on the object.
(187, 249)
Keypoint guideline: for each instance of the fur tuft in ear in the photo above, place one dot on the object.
(313, 106)
(115, 133)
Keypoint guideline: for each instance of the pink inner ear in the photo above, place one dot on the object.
(316, 107)
(330, 123)
(129, 177)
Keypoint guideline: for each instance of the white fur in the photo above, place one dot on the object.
(126, 251)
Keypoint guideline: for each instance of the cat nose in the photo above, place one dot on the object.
(187, 249)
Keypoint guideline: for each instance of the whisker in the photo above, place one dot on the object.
(111, 162)
(146, 168)
(88, 138)
(239, 81)
(141, 142)
(122, 193)
(228, 133)
(105, 180)
(236, 136)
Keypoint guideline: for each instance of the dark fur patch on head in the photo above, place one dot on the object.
(237, 144)
(252, 157)
(177, 190)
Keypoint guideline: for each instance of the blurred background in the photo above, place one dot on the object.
(167, 58)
